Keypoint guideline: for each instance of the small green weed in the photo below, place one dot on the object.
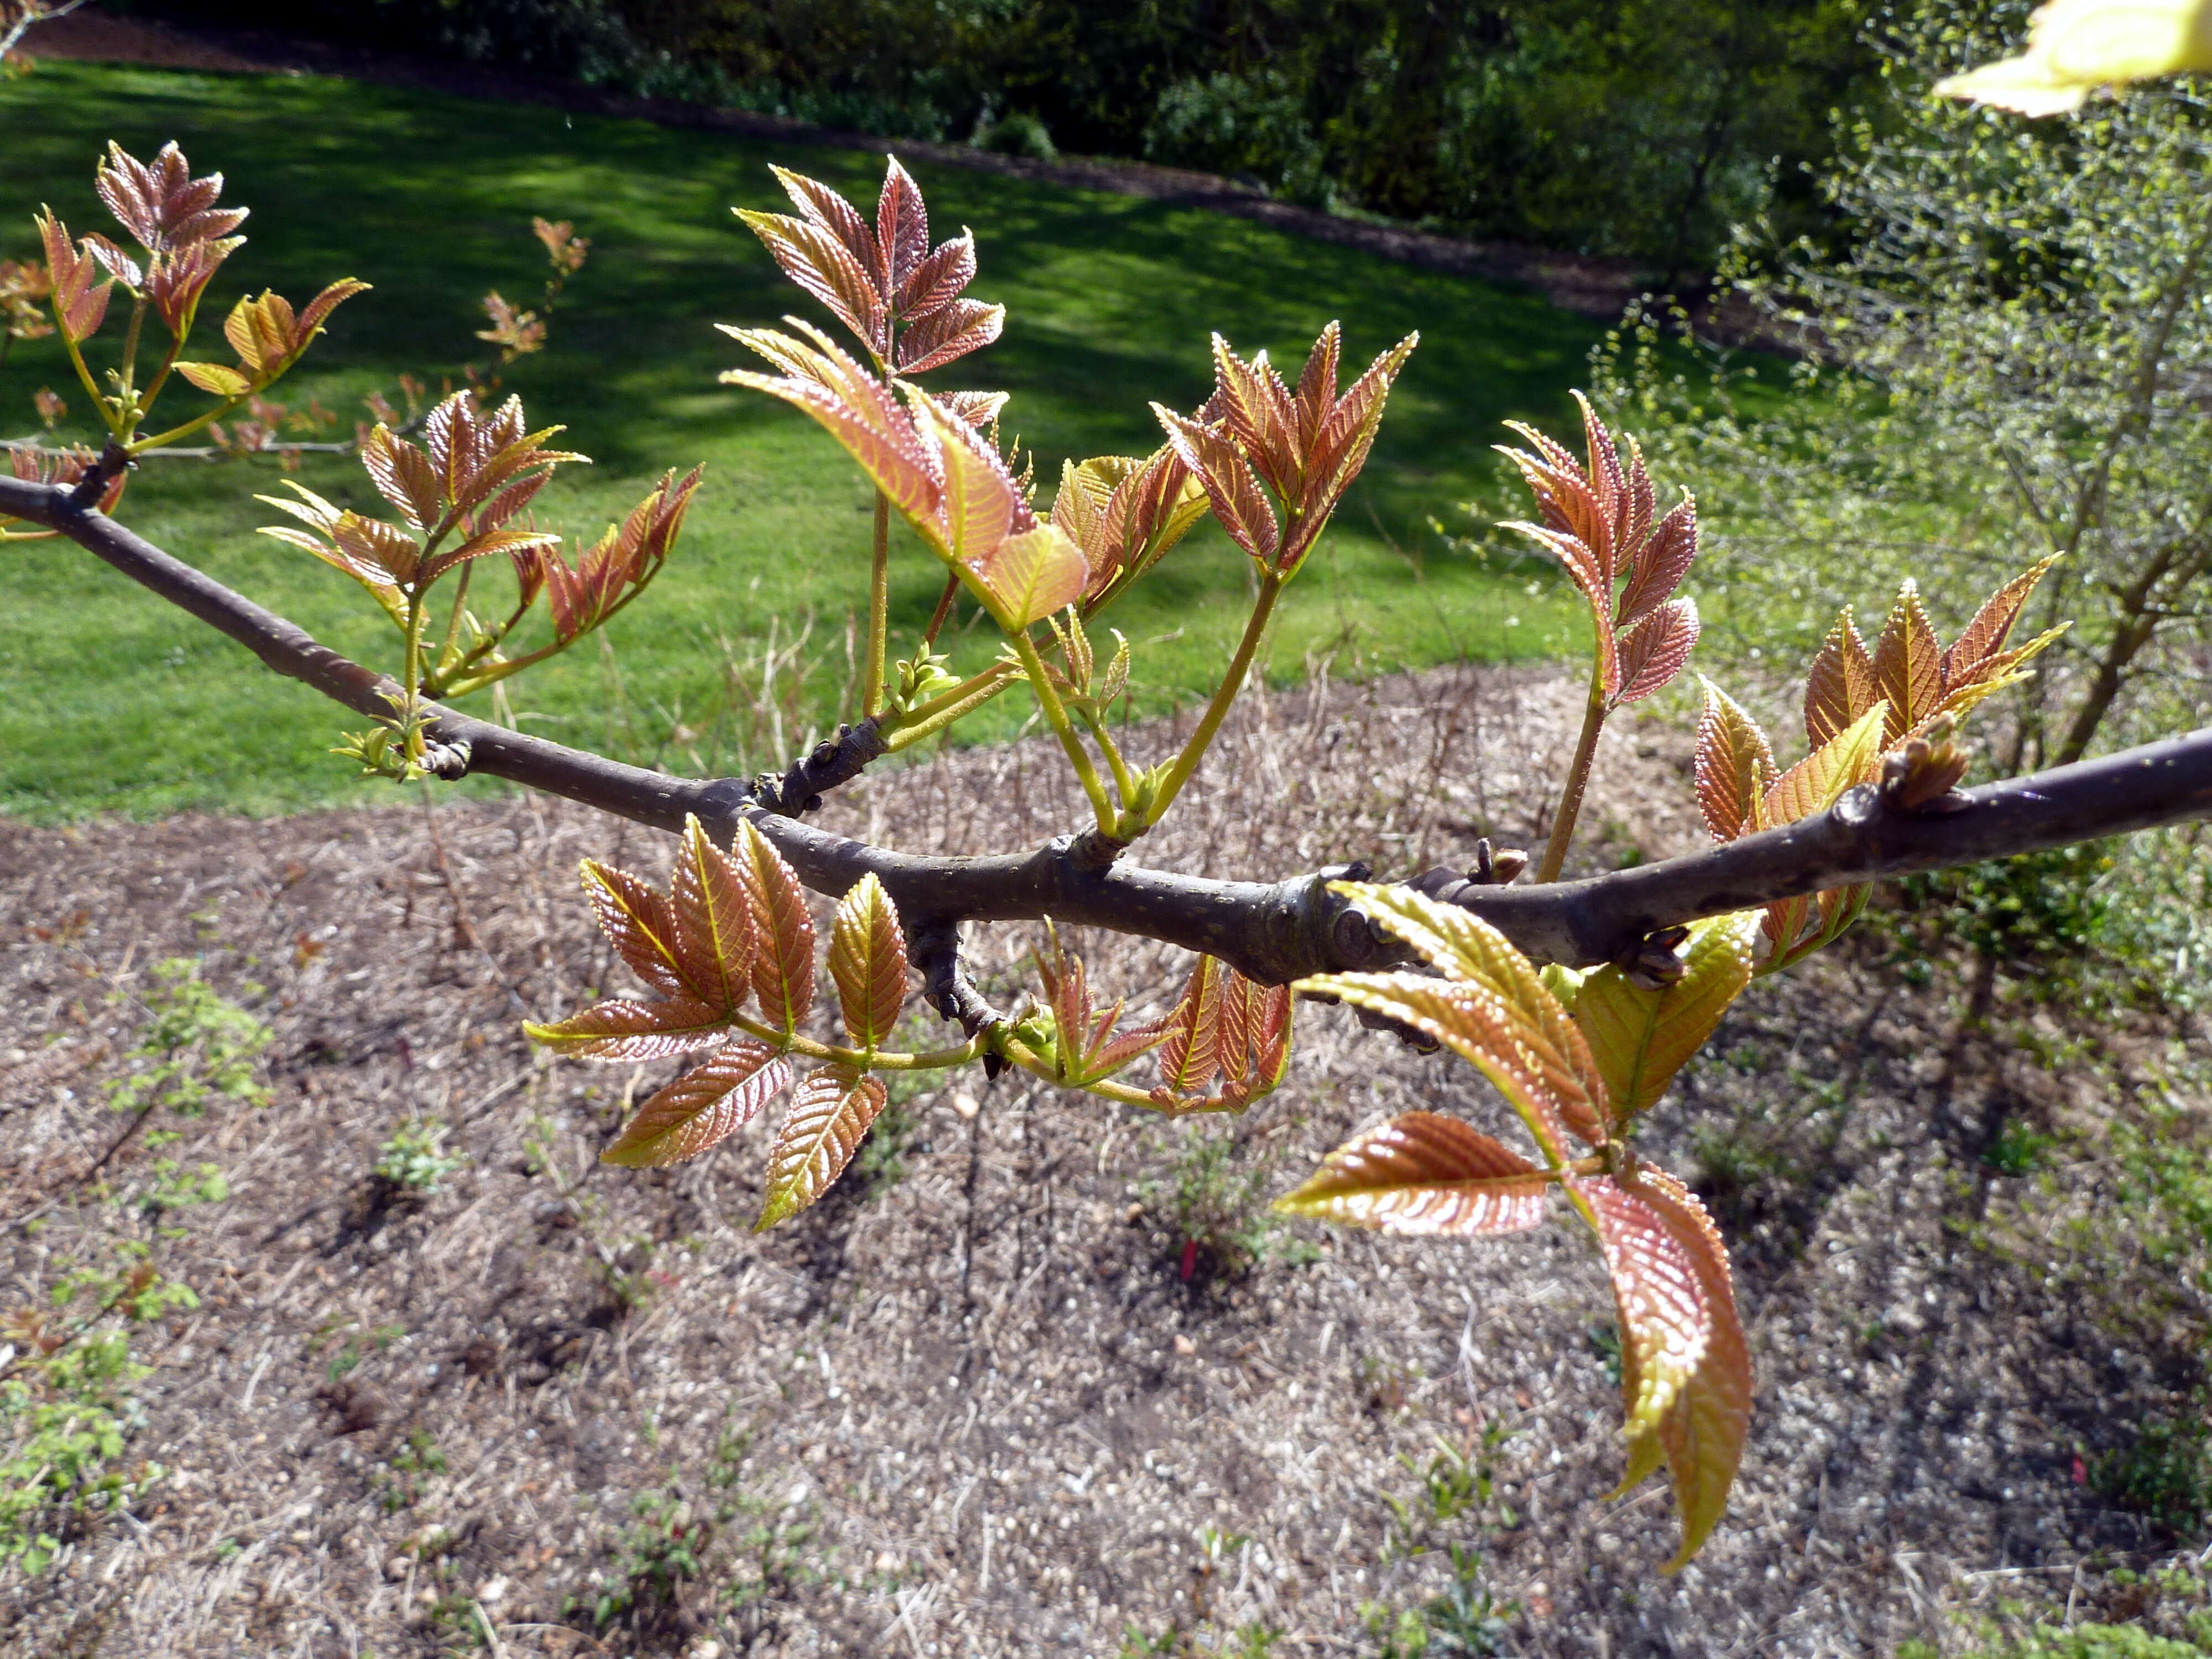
(662, 1549)
(2164, 1473)
(1453, 1482)
(2166, 1183)
(1219, 1210)
(358, 1348)
(416, 1159)
(197, 1048)
(1605, 1343)
(66, 1405)
(175, 1187)
(400, 1481)
(2019, 1148)
(771, 1555)
(773, 1561)
(2043, 1641)
(1465, 1619)
(1253, 1641)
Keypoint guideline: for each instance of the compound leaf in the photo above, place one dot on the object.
(1654, 649)
(1189, 1056)
(1839, 686)
(1983, 639)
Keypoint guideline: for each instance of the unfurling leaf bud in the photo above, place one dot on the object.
(1496, 866)
(1657, 963)
(1918, 776)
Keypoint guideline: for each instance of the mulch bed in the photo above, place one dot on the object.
(983, 1400)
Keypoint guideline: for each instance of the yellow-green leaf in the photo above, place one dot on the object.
(216, 378)
(1640, 1037)
(830, 1116)
(1479, 1026)
(1817, 781)
(1460, 944)
(1028, 577)
(867, 959)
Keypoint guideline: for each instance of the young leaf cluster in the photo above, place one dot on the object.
(1901, 699)
(462, 494)
(1577, 1064)
(182, 238)
(1271, 464)
(729, 951)
(1598, 523)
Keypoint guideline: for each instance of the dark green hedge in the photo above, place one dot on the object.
(1643, 127)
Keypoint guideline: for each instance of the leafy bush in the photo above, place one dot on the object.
(2164, 1472)
(63, 1416)
(197, 1047)
(1251, 125)
(1545, 124)
(66, 1405)
(1018, 133)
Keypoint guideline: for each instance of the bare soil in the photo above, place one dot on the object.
(986, 1398)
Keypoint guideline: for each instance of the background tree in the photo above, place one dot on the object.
(2016, 339)
(16, 17)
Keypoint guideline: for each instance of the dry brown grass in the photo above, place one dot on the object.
(983, 1386)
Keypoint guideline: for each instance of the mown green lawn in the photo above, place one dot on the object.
(110, 701)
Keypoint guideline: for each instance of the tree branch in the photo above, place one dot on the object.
(1271, 931)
